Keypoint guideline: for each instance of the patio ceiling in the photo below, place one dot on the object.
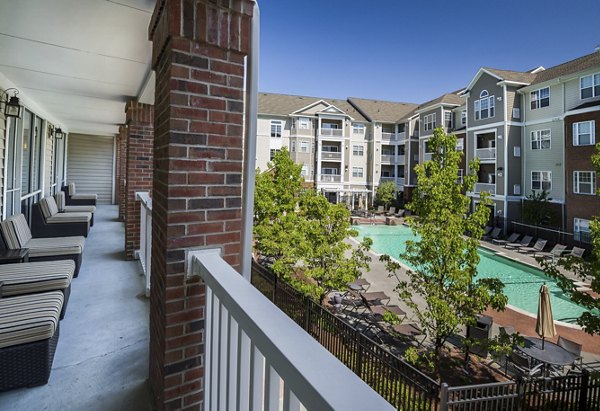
(77, 61)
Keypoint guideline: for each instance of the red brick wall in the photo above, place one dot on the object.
(198, 55)
(121, 170)
(138, 175)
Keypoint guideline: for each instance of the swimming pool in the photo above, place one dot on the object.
(522, 282)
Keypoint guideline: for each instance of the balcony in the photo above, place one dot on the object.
(485, 187)
(331, 132)
(388, 136)
(330, 178)
(388, 158)
(488, 153)
(331, 155)
(401, 136)
(401, 159)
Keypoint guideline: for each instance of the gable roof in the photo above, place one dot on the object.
(570, 67)
(384, 111)
(454, 98)
(285, 104)
(511, 75)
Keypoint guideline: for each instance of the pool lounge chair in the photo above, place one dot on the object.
(525, 241)
(493, 235)
(391, 211)
(487, 230)
(511, 239)
(538, 247)
(575, 252)
(556, 252)
(380, 210)
(400, 213)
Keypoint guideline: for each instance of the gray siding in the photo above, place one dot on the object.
(2, 154)
(513, 163)
(485, 82)
(90, 165)
(439, 120)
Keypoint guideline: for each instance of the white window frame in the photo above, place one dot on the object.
(490, 106)
(577, 133)
(358, 128)
(463, 117)
(293, 146)
(358, 172)
(578, 224)
(460, 144)
(595, 82)
(276, 128)
(358, 150)
(541, 180)
(537, 101)
(304, 123)
(330, 171)
(539, 138)
(304, 146)
(429, 122)
(304, 171)
(272, 153)
(577, 183)
(448, 119)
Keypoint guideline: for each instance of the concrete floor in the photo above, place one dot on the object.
(101, 362)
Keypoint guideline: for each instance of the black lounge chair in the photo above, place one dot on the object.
(525, 241)
(511, 239)
(537, 247)
(493, 235)
(48, 222)
(73, 198)
(64, 208)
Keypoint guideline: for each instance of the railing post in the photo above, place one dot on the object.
(444, 397)
(520, 392)
(359, 354)
(585, 377)
(307, 303)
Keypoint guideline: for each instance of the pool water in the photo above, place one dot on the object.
(522, 282)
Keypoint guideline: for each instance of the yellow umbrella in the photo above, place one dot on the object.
(544, 325)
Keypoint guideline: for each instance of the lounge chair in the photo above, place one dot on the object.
(37, 277)
(556, 252)
(493, 235)
(524, 364)
(29, 329)
(48, 222)
(575, 252)
(64, 208)
(400, 213)
(16, 235)
(380, 210)
(537, 247)
(73, 198)
(407, 330)
(487, 230)
(391, 212)
(525, 241)
(511, 239)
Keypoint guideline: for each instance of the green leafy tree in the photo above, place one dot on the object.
(537, 209)
(583, 270)
(386, 192)
(442, 288)
(301, 235)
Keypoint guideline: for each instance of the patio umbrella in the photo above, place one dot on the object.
(544, 325)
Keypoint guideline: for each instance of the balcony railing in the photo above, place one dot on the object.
(485, 187)
(400, 182)
(401, 136)
(488, 153)
(330, 178)
(384, 179)
(256, 357)
(145, 251)
(331, 155)
(333, 132)
(387, 158)
(388, 136)
(401, 159)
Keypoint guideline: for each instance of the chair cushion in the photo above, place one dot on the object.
(71, 189)
(85, 196)
(79, 209)
(29, 318)
(60, 200)
(36, 276)
(46, 247)
(69, 218)
(16, 231)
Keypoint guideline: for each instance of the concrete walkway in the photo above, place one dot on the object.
(101, 361)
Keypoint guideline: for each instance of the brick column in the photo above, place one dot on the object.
(138, 173)
(198, 55)
(121, 170)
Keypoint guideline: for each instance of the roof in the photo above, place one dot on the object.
(510, 75)
(570, 67)
(285, 104)
(586, 105)
(452, 98)
(385, 111)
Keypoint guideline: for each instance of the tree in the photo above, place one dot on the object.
(583, 270)
(385, 194)
(301, 235)
(537, 209)
(444, 259)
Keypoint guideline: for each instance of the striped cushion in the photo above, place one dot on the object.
(29, 318)
(69, 218)
(60, 200)
(16, 231)
(45, 247)
(71, 189)
(85, 196)
(10, 237)
(35, 277)
(48, 207)
(79, 209)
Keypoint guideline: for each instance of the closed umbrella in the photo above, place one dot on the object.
(544, 325)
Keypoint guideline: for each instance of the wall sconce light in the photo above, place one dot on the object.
(58, 133)
(12, 107)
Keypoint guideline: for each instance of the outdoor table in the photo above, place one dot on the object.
(552, 354)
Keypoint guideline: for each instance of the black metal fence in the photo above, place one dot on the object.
(552, 234)
(398, 382)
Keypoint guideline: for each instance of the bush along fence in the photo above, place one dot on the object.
(409, 389)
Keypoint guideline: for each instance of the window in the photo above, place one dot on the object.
(485, 106)
(330, 171)
(540, 98)
(357, 171)
(304, 146)
(275, 128)
(429, 121)
(584, 133)
(540, 139)
(401, 128)
(460, 144)
(293, 148)
(358, 151)
(358, 128)
(448, 119)
(304, 123)
(590, 86)
(584, 182)
(581, 230)
(272, 154)
(463, 117)
(304, 172)
(461, 175)
(516, 112)
(541, 180)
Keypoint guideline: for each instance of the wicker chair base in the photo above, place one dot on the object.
(27, 365)
(66, 293)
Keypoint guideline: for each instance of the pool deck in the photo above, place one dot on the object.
(523, 323)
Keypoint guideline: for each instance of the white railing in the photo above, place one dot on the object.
(400, 182)
(384, 179)
(485, 187)
(334, 132)
(257, 358)
(388, 136)
(330, 178)
(145, 251)
(488, 153)
(387, 158)
(401, 136)
(401, 159)
(331, 155)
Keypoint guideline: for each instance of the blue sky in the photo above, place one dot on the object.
(413, 50)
